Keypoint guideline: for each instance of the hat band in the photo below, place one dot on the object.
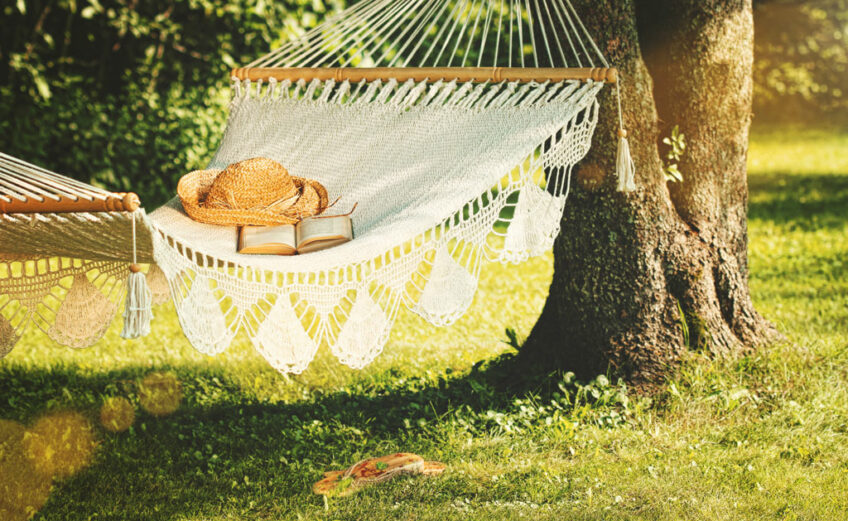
(279, 206)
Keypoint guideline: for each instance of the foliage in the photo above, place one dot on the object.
(130, 94)
(676, 144)
(801, 68)
(762, 436)
(512, 338)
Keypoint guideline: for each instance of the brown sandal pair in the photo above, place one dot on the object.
(375, 470)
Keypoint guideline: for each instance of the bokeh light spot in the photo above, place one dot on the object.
(23, 490)
(60, 444)
(160, 393)
(117, 414)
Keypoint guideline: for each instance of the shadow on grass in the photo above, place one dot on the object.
(225, 450)
(809, 202)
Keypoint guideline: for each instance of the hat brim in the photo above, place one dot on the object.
(194, 187)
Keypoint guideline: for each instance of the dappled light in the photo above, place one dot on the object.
(246, 433)
(679, 353)
(160, 393)
(23, 490)
(60, 444)
(117, 414)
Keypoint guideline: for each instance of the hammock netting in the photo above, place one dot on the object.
(446, 173)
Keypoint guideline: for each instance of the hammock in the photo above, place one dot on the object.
(64, 254)
(454, 126)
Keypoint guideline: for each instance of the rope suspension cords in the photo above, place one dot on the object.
(27, 188)
(441, 40)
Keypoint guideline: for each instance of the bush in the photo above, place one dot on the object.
(127, 94)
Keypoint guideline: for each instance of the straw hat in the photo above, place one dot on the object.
(255, 192)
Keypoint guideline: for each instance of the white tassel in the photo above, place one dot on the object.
(625, 168)
(137, 310)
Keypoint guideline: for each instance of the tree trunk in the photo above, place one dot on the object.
(641, 277)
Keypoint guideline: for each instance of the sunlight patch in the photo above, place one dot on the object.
(160, 393)
(60, 444)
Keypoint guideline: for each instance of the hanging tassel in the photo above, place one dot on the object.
(625, 168)
(137, 310)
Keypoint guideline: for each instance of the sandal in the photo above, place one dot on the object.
(374, 470)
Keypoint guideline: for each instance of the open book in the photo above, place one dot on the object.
(311, 234)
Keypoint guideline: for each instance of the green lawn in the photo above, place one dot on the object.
(760, 437)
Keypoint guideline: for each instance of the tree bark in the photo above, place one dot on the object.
(641, 277)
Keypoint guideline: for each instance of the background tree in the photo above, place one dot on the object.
(801, 67)
(641, 277)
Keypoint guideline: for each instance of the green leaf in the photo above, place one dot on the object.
(673, 174)
(42, 86)
(228, 60)
(382, 465)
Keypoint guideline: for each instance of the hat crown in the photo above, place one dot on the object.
(251, 184)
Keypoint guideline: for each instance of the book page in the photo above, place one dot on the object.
(311, 230)
(321, 233)
(267, 239)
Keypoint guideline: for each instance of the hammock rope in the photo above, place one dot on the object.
(455, 125)
(27, 188)
(378, 33)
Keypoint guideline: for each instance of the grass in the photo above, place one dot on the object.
(764, 436)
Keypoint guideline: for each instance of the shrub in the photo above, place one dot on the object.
(129, 94)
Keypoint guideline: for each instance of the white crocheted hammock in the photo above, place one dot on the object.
(465, 158)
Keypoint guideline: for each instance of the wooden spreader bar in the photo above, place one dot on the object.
(433, 74)
(118, 202)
